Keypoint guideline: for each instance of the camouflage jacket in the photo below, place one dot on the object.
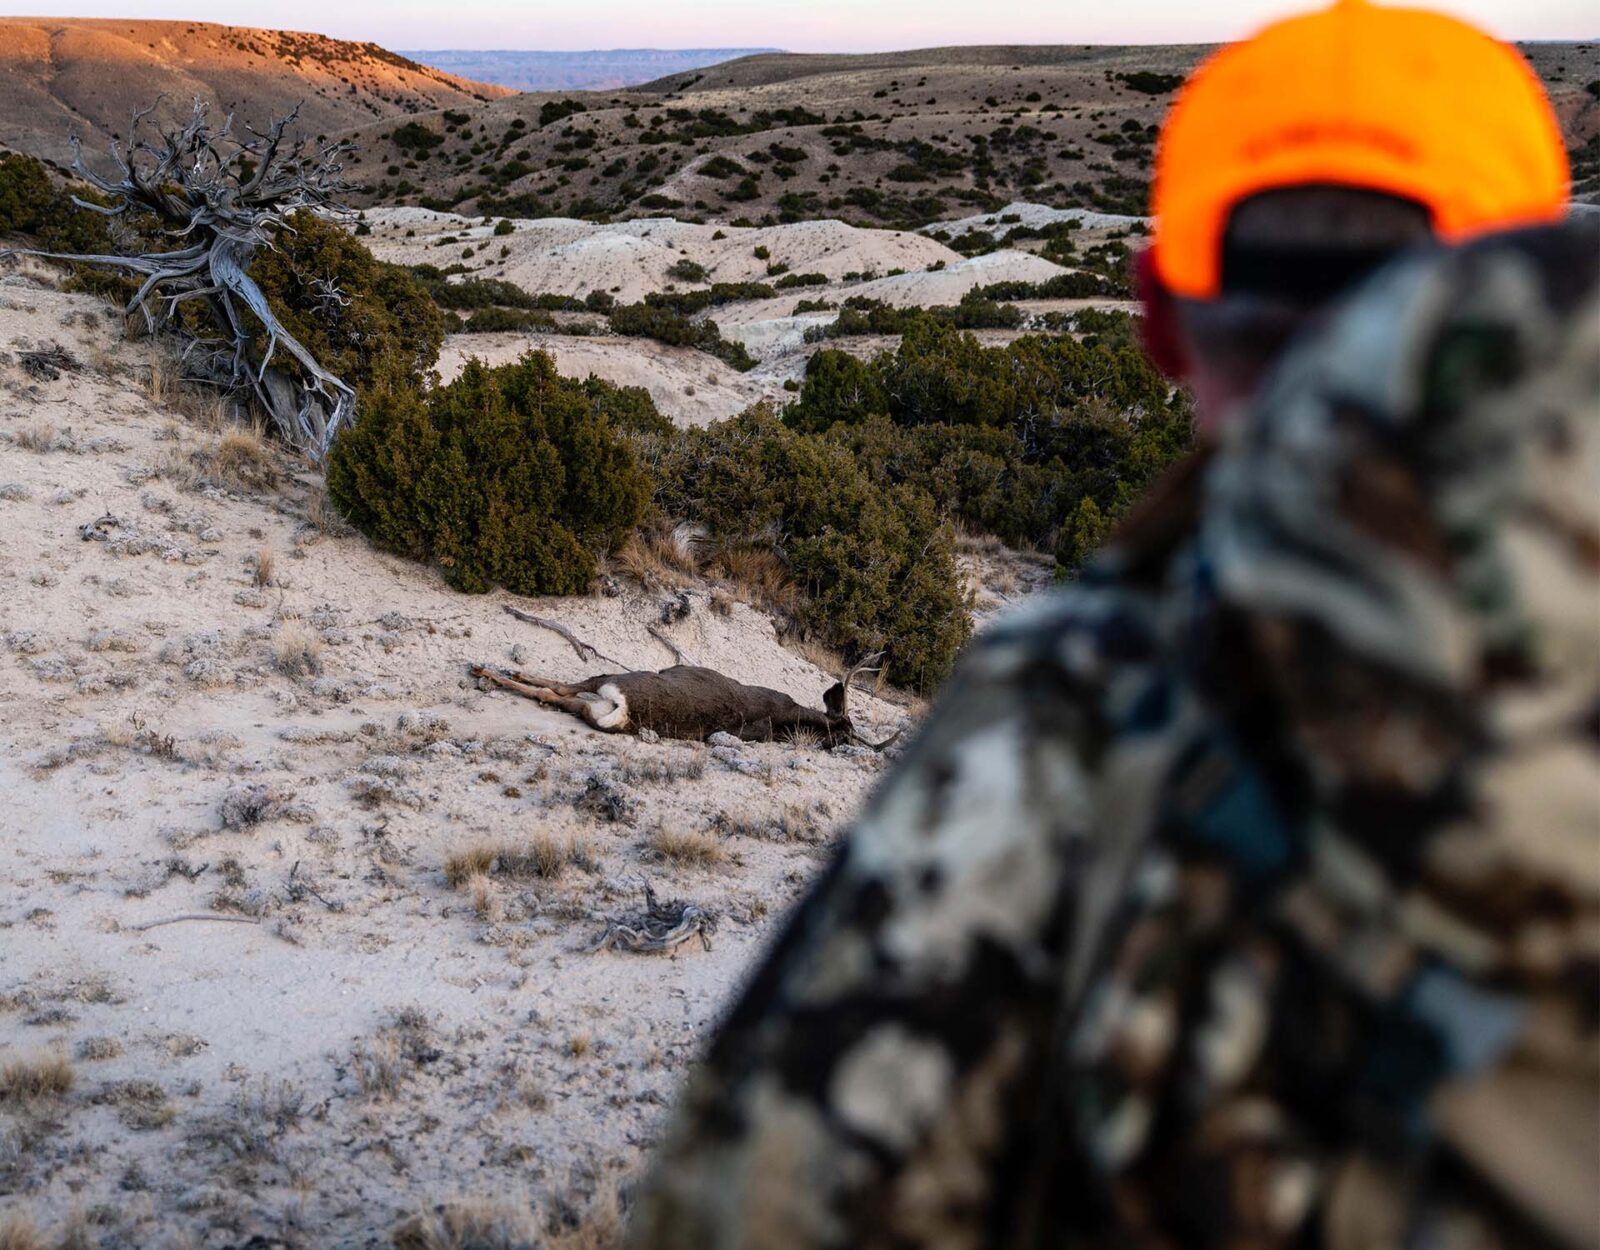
(1248, 893)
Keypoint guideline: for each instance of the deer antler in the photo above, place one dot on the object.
(868, 664)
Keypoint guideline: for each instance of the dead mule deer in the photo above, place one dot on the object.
(686, 701)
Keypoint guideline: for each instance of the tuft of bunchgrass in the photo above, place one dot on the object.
(687, 848)
(25, 1080)
(544, 856)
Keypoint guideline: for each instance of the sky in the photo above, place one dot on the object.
(807, 26)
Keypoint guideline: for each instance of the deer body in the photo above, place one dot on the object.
(684, 701)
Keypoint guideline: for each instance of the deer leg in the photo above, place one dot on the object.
(517, 684)
(544, 683)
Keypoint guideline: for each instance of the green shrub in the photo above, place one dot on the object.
(504, 227)
(415, 138)
(491, 320)
(861, 315)
(511, 476)
(1012, 440)
(656, 321)
(27, 194)
(554, 110)
(383, 328)
(790, 281)
(687, 270)
(1151, 83)
(874, 561)
(32, 203)
(720, 166)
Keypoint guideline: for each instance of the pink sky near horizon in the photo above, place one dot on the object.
(811, 26)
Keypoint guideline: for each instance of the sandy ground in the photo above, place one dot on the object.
(1021, 213)
(691, 387)
(370, 1040)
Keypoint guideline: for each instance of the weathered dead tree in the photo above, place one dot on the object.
(686, 701)
(224, 198)
(660, 929)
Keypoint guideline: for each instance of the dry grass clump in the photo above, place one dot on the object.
(792, 824)
(815, 653)
(674, 766)
(253, 1123)
(180, 468)
(544, 855)
(658, 559)
(598, 1227)
(297, 651)
(481, 890)
(161, 387)
(398, 1049)
(141, 1105)
(36, 438)
(323, 516)
(698, 848)
(482, 1224)
(43, 1076)
(94, 1049)
(471, 1225)
(264, 567)
(758, 576)
(19, 1232)
(240, 460)
(242, 457)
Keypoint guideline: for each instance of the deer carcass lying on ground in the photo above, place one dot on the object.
(686, 701)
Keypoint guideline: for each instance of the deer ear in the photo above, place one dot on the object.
(833, 700)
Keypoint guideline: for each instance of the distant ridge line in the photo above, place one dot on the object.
(588, 70)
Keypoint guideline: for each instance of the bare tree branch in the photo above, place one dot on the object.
(226, 198)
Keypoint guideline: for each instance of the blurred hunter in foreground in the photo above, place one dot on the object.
(1246, 894)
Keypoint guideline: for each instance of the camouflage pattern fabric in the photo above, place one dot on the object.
(1248, 894)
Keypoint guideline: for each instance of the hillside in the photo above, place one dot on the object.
(575, 71)
(58, 75)
(633, 260)
(893, 139)
(215, 700)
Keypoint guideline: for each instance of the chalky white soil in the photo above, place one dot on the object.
(630, 259)
(341, 1037)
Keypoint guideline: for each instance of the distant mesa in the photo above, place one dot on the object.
(577, 71)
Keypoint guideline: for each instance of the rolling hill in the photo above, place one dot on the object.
(892, 139)
(59, 75)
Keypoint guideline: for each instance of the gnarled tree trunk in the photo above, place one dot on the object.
(230, 197)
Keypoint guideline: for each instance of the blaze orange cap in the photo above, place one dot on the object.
(1404, 101)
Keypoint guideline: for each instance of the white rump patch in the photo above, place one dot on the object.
(607, 709)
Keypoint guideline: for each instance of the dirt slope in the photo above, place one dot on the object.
(63, 74)
(364, 1039)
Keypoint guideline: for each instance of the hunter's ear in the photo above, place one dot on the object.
(833, 700)
(1163, 341)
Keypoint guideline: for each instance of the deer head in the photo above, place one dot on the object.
(836, 702)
